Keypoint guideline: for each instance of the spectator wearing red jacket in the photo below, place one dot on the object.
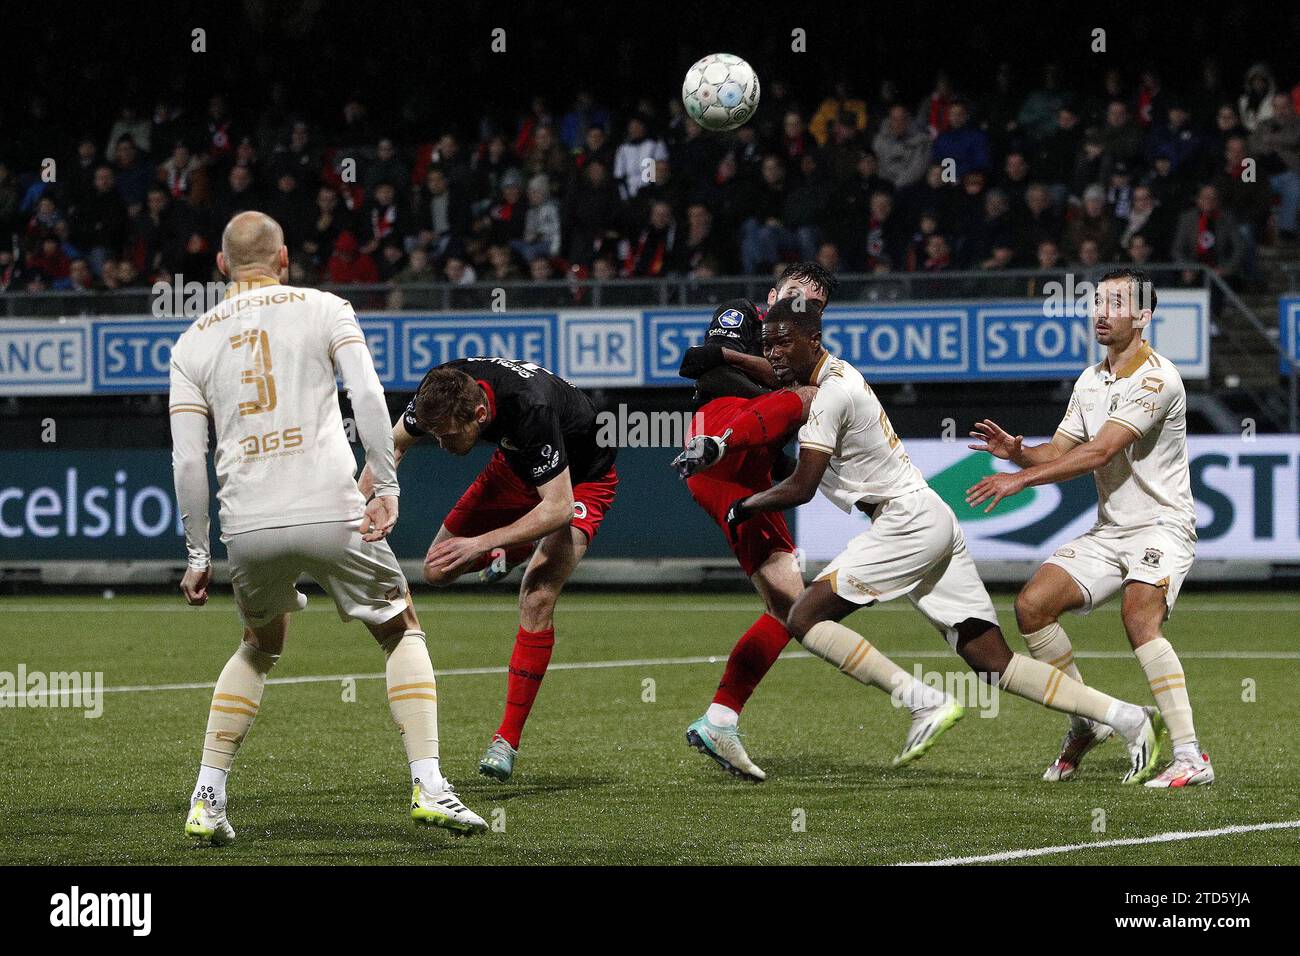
(348, 265)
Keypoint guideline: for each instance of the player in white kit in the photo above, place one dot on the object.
(262, 367)
(1127, 424)
(914, 547)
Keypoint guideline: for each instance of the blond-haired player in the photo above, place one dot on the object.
(1127, 424)
(262, 367)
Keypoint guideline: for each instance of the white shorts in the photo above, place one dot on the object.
(363, 577)
(915, 547)
(1101, 561)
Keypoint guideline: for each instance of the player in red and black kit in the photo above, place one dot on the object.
(739, 398)
(540, 499)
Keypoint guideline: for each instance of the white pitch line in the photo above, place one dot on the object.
(660, 662)
(1171, 837)
(126, 607)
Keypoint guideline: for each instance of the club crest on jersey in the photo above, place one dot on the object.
(1153, 557)
(1114, 404)
(731, 319)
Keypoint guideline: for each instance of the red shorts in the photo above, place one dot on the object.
(499, 497)
(739, 475)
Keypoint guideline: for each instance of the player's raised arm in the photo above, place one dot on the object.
(1082, 459)
(189, 428)
(726, 371)
(1000, 444)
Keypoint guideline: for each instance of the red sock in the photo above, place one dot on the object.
(764, 420)
(528, 663)
(750, 660)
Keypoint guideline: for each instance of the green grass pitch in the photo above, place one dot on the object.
(604, 774)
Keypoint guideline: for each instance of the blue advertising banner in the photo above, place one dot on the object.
(918, 342)
(1289, 325)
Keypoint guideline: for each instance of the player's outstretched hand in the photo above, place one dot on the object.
(381, 516)
(995, 487)
(451, 555)
(194, 585)
(996, 442)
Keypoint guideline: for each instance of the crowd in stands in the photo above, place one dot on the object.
(1055, 178)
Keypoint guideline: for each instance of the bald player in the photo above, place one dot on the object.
(262, 367)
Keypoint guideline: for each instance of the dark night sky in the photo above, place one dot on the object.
(434, 57)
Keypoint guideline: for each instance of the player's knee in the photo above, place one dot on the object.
(983, 647)
(437, 577)
(1032, 612)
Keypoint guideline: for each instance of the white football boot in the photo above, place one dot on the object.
(1184, 772)
(207, 821)
(927, 724)
(1073, 749)
(442, 808)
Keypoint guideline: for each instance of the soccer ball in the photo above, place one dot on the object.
(720, 91)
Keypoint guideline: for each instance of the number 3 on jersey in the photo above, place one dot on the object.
(259, 350)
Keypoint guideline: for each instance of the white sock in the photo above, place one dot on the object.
(1125, 717)
(427, 773)
(211, 785)
(720, 715)
(917, 695)
(1190, 752)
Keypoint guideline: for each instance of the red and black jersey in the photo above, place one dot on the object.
(736, 325)
(540, 422)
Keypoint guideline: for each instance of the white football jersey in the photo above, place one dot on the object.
(868, 462)
(261, 366)
(1149, 482)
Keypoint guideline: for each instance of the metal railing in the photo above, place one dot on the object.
(1238, 345)
(670, 291)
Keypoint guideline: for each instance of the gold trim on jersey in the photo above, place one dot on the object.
(1133, 428)
(342, 342)
(187, 407)
(1135, 363)
(817, 369)
(816, 447)
(239, 288)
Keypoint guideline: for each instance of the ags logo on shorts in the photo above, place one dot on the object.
(861, 586)
(1065, 552)
(580, 509)
(731, 319)
(1153, 557)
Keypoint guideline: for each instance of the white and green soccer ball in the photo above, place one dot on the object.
(720, 91)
